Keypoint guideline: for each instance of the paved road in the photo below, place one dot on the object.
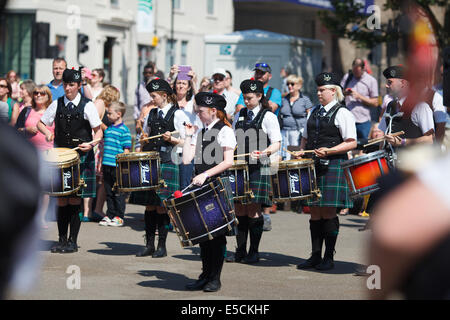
(110, 270)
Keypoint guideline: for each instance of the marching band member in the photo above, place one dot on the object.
(331, 133)
(75, 118)
(217, 132)
(164, 119)
(255, 126)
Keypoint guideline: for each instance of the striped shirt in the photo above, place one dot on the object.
(117, 138)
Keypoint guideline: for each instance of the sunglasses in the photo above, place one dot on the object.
(39, 93)
(291, 84)
(219, 78)
(3, 86)
(264, 65)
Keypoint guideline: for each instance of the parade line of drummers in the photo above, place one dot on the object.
(209, 173)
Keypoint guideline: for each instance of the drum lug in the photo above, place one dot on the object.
(82, 183)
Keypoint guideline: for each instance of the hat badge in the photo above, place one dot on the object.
(327, 77)
(253, 87)
(392, 73)
(76, 76)
(208, 100)
(155, 86)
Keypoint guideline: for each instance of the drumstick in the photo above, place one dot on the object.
(304, 151)
(242, 155)
(378, 140)
(157, 136)
(75, 149)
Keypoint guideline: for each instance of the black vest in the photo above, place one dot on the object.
(403, 123)
(205, 150)
(158, 126)
(322, 132)
(71, 128)
(262, 139)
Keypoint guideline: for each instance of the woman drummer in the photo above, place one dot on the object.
(331, 132)
(255, 126)
(217, 134)
(164, 119)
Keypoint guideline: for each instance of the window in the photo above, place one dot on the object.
(114, 3)
(170, 53)
(210, 7)
(176, 4)
(183, 60)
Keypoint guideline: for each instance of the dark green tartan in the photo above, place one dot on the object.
(334, 188)
(170, 174)
(260, 185)
(87, 173)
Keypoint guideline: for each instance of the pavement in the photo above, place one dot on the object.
(109, 269)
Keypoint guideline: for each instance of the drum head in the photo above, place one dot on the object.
(60, 155)
(363, 159)
(132, 156)
(295, 163)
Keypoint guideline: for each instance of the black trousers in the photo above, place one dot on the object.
(213, 255)
(115, 202)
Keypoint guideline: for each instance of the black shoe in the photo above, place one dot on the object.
(326, 264)
(212, 286)
(252, 258)
(235, 258)
(71, 247)
(148, 251)
(312, 262)
(197, 285)
(161, 252)
(61, 244)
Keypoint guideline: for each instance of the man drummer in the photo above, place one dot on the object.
(331, 133)
(75, 119)
(217, 135)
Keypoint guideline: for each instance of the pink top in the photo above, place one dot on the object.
(38, 139)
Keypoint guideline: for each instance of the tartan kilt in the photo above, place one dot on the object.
(87, 173)
(334, 188)
(260, 185)
(170, 174)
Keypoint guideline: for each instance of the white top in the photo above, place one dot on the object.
(193, 117)
(344, 121)
(232, 98)
(421, 116)
(225, 137)
(439, 110)
(270, 124)
(436, 176)
(90, 112)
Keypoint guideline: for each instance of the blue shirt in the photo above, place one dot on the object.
(57, 92)
(275, 98)
(117, 138)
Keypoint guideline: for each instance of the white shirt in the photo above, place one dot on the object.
(344, 121)
(421, 116)
(270, 124)
(225, 137)
(439, 110)
(231, 98)
(90, 112)
(193, 117)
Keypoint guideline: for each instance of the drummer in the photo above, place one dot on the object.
(331, 132)
(211, 111)
(258, 133)
(164, 119)
(75, 119)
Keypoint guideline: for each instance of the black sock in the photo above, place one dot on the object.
(315, 227)
(255, 226)
(63, 221)
(330, 231)
(75, 222)
(151, 222)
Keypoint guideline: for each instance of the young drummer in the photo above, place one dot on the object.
(217, 133)
(164, 119)
(258, 132)
(331, 132)
(75, 118)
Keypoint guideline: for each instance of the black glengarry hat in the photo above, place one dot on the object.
(252, 86)
(210, 100)
(398, 72)
(159, 85)
(327, 78)
(71, 75)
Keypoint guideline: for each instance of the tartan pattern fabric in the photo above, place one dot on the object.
(87, 173)
(334, 188)
(170, 174)
(260, 185)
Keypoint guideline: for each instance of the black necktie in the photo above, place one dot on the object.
(249, 116)
(161, 114)
(70, 106)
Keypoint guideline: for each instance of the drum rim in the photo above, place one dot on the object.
(295, 163)
(211, 232)
(142, 155)
(147, 188)
(65, 163)
(363, 159)
(62, 194)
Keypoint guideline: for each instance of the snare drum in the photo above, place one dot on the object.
(295, 180)
(239, 182)
(202, 213)
(362, 172)
(138, 171)
(63, 166)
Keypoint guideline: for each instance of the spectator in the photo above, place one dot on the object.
(284, 87)
(96, 82)
(56, 85)
(142, 96)
(229, 83)
(205, 85)
(219, 75)
(5, 96)
(263, 73)
(361, 94)
(293, 113)
(12, 78)
(26, 95)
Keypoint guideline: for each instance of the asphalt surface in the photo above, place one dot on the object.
(109, 269)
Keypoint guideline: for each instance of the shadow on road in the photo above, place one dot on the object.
(164, 280)
(118, 249)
